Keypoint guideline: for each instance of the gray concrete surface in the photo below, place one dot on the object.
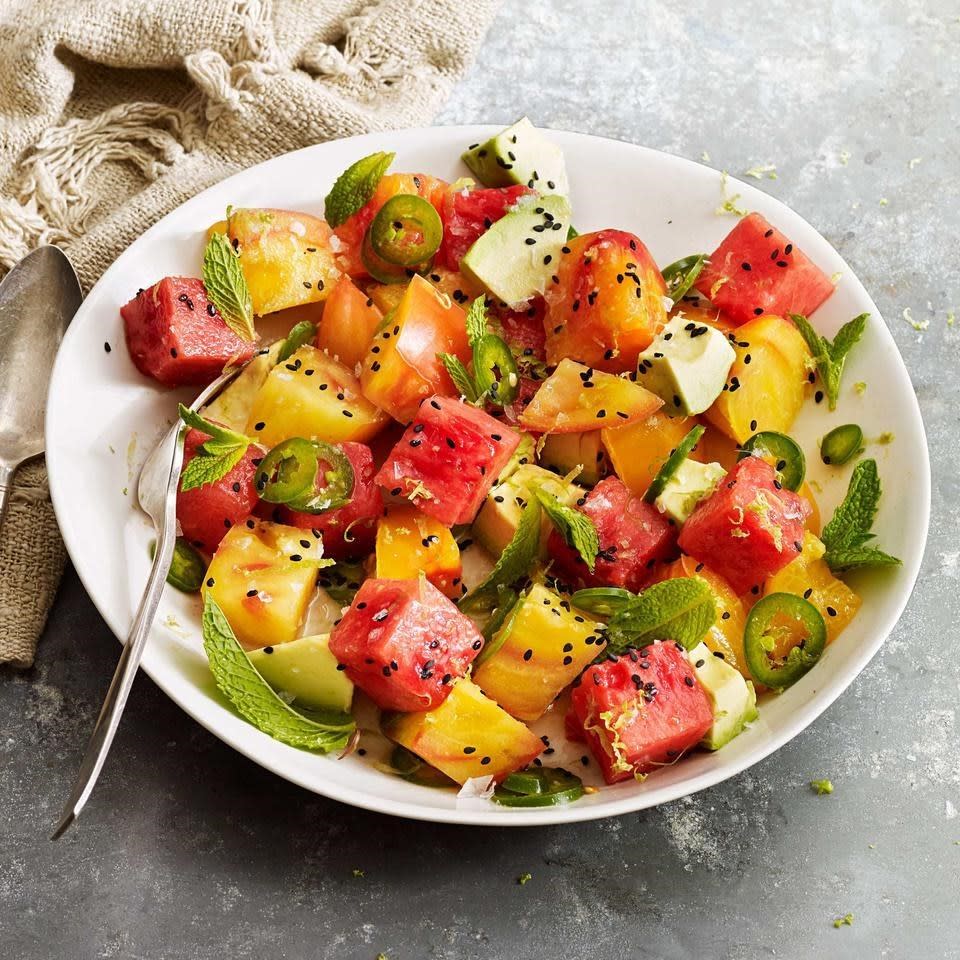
(190, 851)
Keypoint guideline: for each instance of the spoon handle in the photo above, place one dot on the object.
(126, 671)
(6, 483)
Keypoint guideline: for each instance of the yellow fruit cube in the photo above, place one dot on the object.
(409, 542)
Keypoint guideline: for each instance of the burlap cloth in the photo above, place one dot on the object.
(113, 112)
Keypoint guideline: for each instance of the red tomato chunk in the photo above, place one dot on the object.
(640, 711)
(633, 536)
(448, 459)
(403, 642)
(175, 335)
(468, 214)
(748, 528)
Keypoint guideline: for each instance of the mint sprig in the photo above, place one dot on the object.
(227, 286)
(355, 186)
(576, 528)
(681, 609)
(460, 376)
(830, 357)
(216, 456)
(476, 320)
(848, 532)
(516, 561)
(255, 699)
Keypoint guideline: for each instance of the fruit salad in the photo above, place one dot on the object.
(495, 472)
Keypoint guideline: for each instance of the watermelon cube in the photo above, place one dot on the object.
(467, 214)
(175, 334)
(448, 459)
(757, 270)
(748, 528)
(349, 531)
(403, 643)
(640, 711)
(633, 536)
(206, 513)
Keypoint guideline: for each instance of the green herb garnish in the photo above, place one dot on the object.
(476, 320)
(820, 787)
(254, 698)
(845, 921)
(301, 333)
(215, 457)
(227, 287)
(460, 376)
(355, 186)
(830, 356)
(847, 533)
(681, 275)
(524, 879)
(576, 528)
(681, 609)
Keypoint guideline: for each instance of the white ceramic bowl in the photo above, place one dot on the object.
(103, 418)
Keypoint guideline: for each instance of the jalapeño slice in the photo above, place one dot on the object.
(380, 269)
(495, 370)
(187, 568)
(672, 463)
(301, 333)
(783, 639)
(290, 472)
(841, 444)
(682, 274)
(553, 786)
(406, 231)
(603, 601)
(507, 606)
(783, 453)
(411, 768)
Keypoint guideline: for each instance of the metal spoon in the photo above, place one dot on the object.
(38, 299)
(157, 493)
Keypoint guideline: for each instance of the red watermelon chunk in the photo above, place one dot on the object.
(633, 536)
(448, 459)
(523, 329)
(349, 531)
(403, 643)
(175, 335)
(757, 270)
(641, 710)
(206, 513)
(748, 528)
(467, 214)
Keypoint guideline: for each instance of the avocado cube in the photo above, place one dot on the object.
(690, 483)
(686, 366)
(306, 670)
(519, 154)
(583, 452)
(515, 258)
(733, 699)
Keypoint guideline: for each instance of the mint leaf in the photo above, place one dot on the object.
(460, 376)
(681, 609)
(216, 456)
(255, 699)
(227, 286)
(831, 357)
(576, 528)
(849, 529)
(301, 333)
(516, 561)
(355, 186)
(476, 320)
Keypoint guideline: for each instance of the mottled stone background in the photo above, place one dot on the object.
(190, 851)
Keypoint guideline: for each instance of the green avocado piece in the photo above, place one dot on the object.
(232, 407)
(690, 483)
(733, 699)
(306, 670)
(686, 366)
(500, 514)
(519, 154)
(516, 257)
(564, 452)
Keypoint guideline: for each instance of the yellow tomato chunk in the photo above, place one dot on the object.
(409, 542)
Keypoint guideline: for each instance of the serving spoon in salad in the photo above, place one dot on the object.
(157, 494)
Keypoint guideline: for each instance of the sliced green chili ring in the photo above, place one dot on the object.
(672, 464)
(759, 640)
(301, 333)
(414, 770)
(572, 232)
(841, 444)
(187, 568)
(495, 370)
(557, 787)
(407, 230)
(682, 274)
(783, 453)
(527, 782)
(288, 471)
(603, 601)
(337, 486)
(379, 269)
(507, 607)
